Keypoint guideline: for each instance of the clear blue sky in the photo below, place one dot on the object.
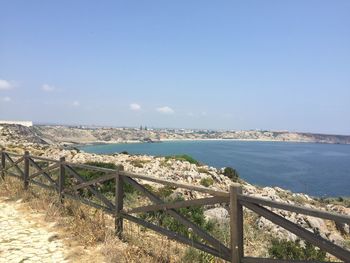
(280, 65)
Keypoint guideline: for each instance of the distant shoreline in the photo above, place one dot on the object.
(194, 140)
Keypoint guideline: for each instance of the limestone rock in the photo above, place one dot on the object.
(343, 228)
(218, 214)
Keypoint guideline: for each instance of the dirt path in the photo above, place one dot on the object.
(23, 240)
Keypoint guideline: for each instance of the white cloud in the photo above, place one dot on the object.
(5, 85)
(47, 88)
(165, 110)
(76, 103)
(6, 99)
(135, 107)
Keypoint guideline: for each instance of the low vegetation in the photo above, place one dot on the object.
(344, 201)
(195, 214)
(106, 187)
(282, 249)
(139, 163)
(207, 181)
(183, 157)
(203, 170)
(194, 255)
(165, 191)
(231, 173)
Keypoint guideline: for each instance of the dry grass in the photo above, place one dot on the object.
(87, 229)
(89, 233)
(256, 241)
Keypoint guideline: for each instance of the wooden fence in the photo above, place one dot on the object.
(64, 178)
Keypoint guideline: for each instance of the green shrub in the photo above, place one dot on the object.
(42, 164)
(344, 201)
(104, 187)
(124, 152)
(76, 149)
(208, 181)
(139, 163)
(162, 192)
(282, 249)
(164, 163)
(149, 187)
(165, 191)
(231, 173)
(194, 214)
(183, 157)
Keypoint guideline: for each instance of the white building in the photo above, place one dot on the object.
(23, 123)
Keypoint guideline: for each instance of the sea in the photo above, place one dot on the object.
(319, 170)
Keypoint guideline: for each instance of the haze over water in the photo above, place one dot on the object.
(315, 169)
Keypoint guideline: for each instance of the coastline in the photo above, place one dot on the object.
(80, 144)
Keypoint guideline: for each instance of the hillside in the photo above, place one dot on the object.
(181, 170)
(75, 135)
(20, 135)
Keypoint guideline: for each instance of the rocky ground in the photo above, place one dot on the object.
(22, 239)
(183, 171)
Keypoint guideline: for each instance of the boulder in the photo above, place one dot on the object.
(336, 238)
(343, 228)
(218, 214)
(317, 225)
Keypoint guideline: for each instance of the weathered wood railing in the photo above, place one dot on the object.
(64, 177)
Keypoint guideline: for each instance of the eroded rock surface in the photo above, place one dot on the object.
(21, 240)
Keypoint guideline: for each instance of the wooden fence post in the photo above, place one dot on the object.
(119, 195)
(236, 224)
(3, 163)
(26, 170)
(61, 178)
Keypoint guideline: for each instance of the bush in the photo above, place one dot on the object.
(104, 187)
(183, 157)
(165, 191)
(231, 173)
(136, 163)
(282, 249)
(208, 181)
(164, 163)
(194, 214)
(139, 163)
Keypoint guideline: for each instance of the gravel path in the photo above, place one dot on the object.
(22, 240)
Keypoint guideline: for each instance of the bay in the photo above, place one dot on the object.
(321, 170)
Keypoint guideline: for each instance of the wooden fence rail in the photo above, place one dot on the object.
(64, 178)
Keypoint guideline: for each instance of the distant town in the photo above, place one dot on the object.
(82, 134)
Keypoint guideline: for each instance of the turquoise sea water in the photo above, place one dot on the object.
(315, 169)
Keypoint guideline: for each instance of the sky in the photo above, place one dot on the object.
(271, 65)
